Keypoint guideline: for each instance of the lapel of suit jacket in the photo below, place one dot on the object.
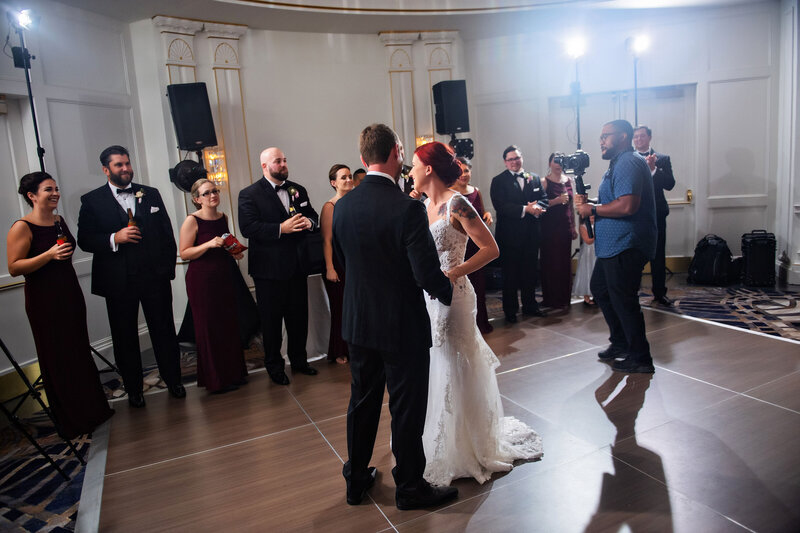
(272, 196)
(111, 200)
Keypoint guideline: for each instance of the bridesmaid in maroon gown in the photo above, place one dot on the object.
(477, 278)
(342, 182)
(557, 233)
(56, 310)
(211, 288)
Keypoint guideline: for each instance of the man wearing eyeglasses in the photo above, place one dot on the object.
(518, 198)
(127, 229)
(625, 240)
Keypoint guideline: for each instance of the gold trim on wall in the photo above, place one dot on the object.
(222, 134)
(313, 7)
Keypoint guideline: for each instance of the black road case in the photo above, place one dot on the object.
(758, 258)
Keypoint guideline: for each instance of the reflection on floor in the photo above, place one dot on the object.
(708, 443)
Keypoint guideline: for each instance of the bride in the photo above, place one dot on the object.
(466, 434)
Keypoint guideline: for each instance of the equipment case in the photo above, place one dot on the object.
(758, 258)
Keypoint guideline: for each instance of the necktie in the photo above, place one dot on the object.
(129, 190)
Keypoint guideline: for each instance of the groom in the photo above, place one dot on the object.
(382, 238)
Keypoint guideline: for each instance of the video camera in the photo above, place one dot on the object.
(576, 164)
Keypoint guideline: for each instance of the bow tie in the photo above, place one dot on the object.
(644, 154)
(129, 190)
(282, 187)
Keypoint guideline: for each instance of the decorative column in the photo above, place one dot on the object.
(438, 48)
(177, 38)
(401, 79)
(223, 40)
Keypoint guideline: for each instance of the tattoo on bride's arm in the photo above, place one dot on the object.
(464, 209)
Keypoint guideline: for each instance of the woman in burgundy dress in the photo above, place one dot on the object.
(477, 278)
(211, 286)
(557, 233)
(40, 247)
(342, 182)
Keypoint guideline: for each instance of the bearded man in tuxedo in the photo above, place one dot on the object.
(276, 216)
(519, 199)
(127, 228)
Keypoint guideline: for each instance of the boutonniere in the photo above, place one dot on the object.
(294, 194)
(527, 176)
(139, 195)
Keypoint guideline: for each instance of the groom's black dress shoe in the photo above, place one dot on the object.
(425, 496)
(280, 377)
(511, 319)
(177, 391)
(611, 353)
(308, 370)
(357, 491)
(136, 399)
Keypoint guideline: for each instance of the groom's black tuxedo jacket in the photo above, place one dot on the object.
(382, 239)
(151, 258)
(260, 215)
(514, 230)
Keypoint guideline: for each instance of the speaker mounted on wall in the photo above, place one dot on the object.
(191, 114)
(450, 105)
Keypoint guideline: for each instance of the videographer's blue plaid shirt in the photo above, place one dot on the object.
(627, 174)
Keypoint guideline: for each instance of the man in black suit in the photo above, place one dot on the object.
(381, 236)
(276, 216)
(663, 180)
(127, 228)
(518, 198)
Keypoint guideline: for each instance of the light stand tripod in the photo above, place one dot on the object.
(22, 59)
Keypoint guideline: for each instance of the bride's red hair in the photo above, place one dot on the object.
(442, 159)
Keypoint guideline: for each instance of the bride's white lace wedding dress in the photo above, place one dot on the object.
(466, 434)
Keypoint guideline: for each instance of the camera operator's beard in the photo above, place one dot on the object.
(280, 176)
(120, 179)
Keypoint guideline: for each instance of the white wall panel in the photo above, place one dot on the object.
(739, 139)
(76, 53)
(80, 132)
(741, 41)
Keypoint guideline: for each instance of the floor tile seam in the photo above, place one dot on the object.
(672, 490)
(333, 449)
(770, 382)
(555, 424)
(207, 450)
(515, 369)
(760, 400)
(726, 326)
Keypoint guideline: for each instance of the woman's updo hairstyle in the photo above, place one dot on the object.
(30, 183)
(442, 159)
(335, 170)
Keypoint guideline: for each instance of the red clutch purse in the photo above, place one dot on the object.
(232, 244)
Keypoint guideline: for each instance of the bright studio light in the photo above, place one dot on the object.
(576, 47)
(23, 18)
(640, 44)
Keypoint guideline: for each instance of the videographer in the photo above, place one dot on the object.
(625, 228)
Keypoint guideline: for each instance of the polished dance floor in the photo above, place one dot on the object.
(709, 443)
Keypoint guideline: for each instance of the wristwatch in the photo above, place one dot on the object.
(594, 211)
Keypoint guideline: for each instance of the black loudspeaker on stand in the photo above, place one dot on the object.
(191, 114)
(451, 114)
(450, 103)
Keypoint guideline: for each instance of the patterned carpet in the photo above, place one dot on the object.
(767, 310)
(35, 498)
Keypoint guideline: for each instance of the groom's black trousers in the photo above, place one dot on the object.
(406, 378)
